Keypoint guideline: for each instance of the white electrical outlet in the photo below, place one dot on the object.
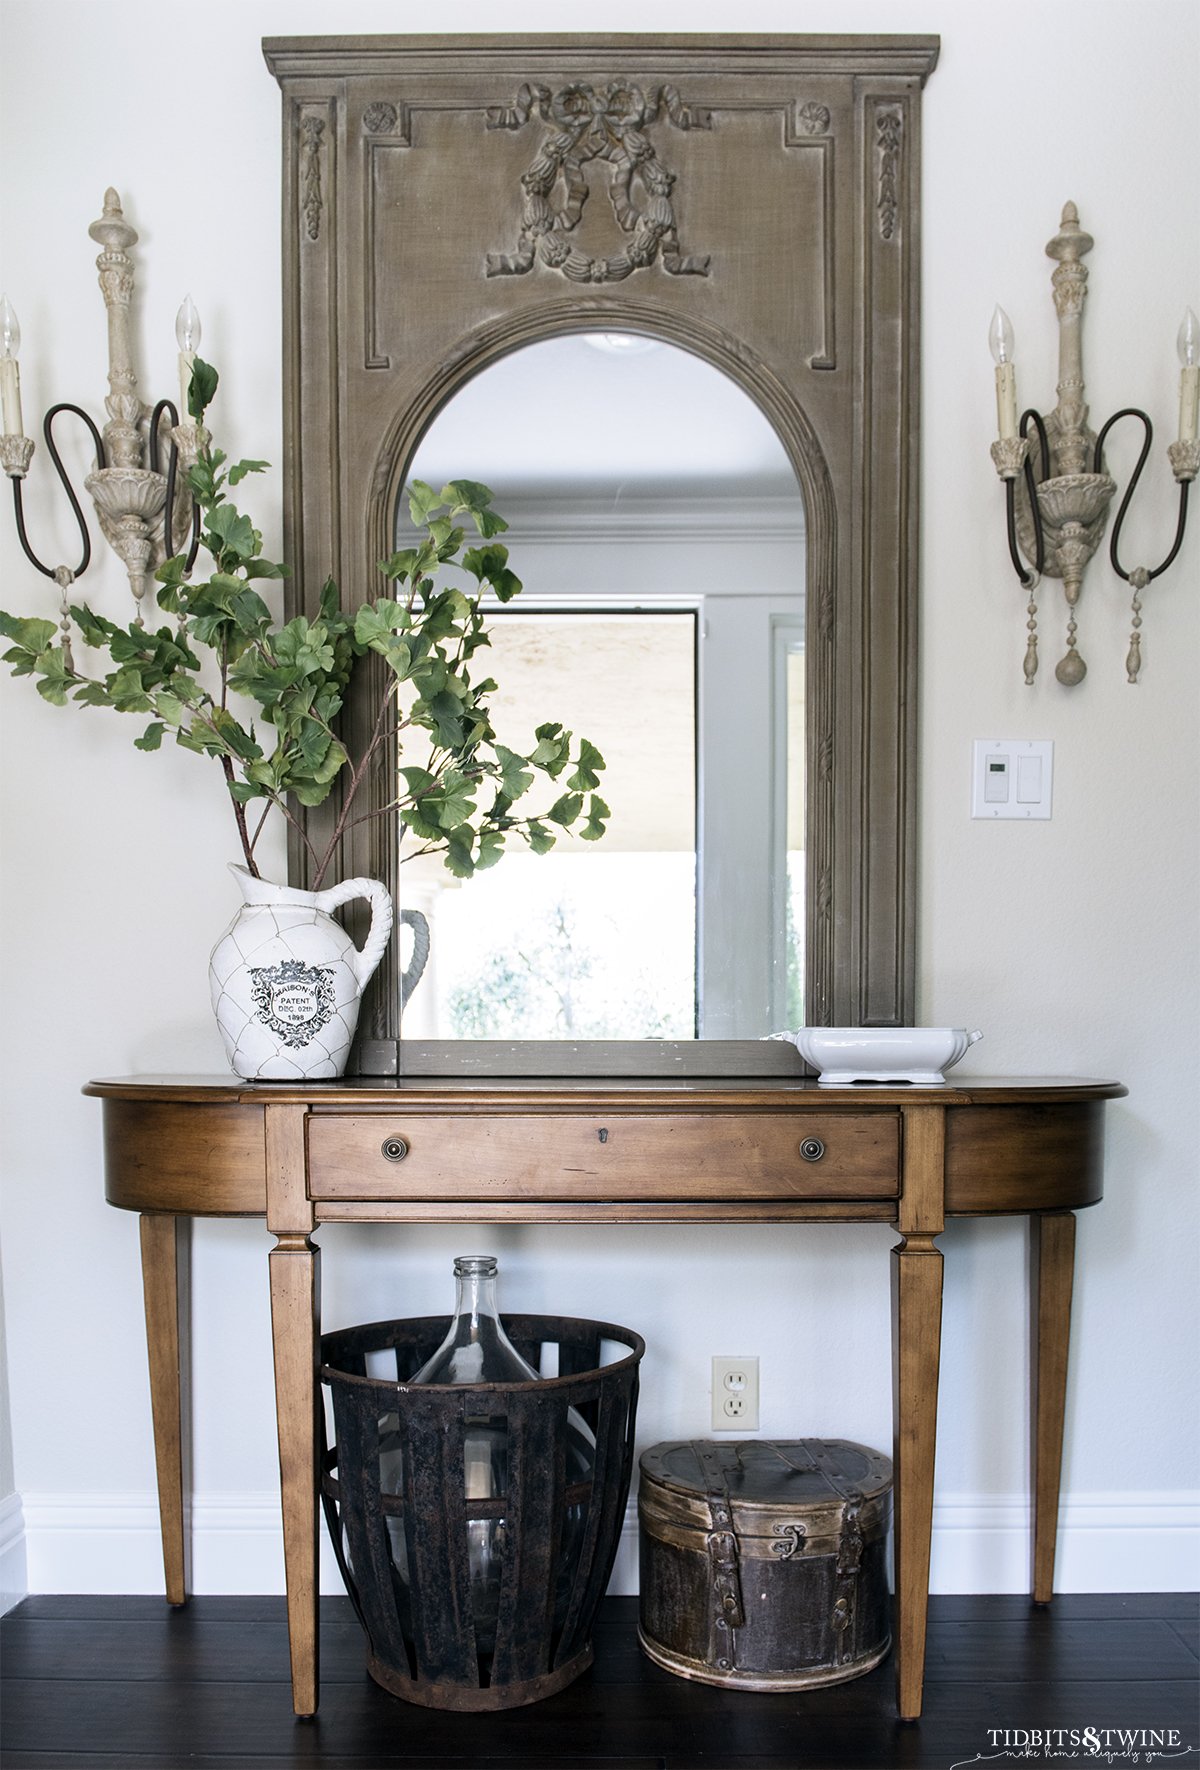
(735, 1394)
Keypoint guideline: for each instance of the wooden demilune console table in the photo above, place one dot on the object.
(572, 1151)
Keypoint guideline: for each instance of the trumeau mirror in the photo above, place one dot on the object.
(661, 295)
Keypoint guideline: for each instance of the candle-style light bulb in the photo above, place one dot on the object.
(1000, 342)
(1000, 337)
(10, 328)
(1188, 345)
(187, 336)
(10, 375)
(187, 326)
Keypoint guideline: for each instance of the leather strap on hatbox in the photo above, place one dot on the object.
(726, 1613)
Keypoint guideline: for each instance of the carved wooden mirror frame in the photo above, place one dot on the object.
(771, 227)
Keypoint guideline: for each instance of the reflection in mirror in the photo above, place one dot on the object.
(658, 529)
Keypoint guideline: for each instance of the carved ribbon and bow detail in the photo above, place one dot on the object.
(588, 125)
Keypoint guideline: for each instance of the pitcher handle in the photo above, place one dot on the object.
(365, 959)
(418, 921)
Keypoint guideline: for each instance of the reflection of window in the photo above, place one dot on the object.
(594, 940)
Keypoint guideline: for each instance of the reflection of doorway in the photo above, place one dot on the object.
(642, 480)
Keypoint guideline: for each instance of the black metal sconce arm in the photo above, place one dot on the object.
(1028, 579)
(168, 406)
(18, 506)
(1133, 412)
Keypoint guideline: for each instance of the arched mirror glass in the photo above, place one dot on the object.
(658, 529)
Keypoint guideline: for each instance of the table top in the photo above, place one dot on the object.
(367, 1091)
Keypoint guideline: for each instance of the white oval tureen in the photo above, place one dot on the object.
(914, 1054)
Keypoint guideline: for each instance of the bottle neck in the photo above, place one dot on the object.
(476, 1316)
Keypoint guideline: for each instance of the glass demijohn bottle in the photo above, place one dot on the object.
(477, 1350)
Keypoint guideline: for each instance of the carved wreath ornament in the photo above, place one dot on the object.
(587, 125)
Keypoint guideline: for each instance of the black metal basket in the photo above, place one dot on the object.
(419, 1627)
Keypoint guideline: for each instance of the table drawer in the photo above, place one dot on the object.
(770, 1155)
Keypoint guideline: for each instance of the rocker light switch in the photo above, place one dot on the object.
(1029, 780)
(1012, 777)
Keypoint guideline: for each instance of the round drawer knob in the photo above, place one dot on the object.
(395, 1148)
(812, 1149)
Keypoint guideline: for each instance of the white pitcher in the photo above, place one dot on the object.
(287, 979)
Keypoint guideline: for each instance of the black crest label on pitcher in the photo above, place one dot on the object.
(294, 999)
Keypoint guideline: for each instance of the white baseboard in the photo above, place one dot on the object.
(111, 1543)
(1108, 1542)
(13, 1583)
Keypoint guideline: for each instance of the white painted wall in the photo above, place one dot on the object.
(1073, 943)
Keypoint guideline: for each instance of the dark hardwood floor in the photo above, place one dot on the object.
(126, 1684)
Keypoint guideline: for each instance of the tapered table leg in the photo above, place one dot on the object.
(916, 1354)
(1052, 1269)
(917, 1328)
(295, 1275)
(295, 1266)
(165, 1248)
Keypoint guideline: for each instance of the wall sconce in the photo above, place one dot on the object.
(141, 510)
(1056, 490)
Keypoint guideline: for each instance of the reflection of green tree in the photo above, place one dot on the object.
(550, 984)
(495, 1004)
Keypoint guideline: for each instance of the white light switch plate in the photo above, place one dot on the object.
(1012, 777)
